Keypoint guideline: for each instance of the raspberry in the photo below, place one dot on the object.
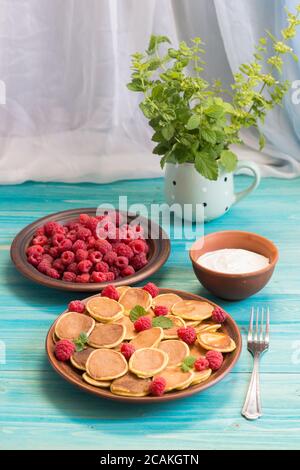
(128, 271)
(111, 292)
(115, 271)
(139, 261)
(84, 266)
(76, 306)
(91, 242)
(34, 259)
(72, 268)
(40, 240)
(188, 334)
(160, 310)
(79, 245)
(51, 272)
(58, 265)
(138, 246)
(67, 257)
(102, 267)
(122, 262)
(54, 251)
(81, 255)
(68, 276)
(219, 315)
(84, 219)
(92, 224)
(57, 239)
(35, 250)
(83, 278)
(215, 359)
(103, 246)
(110, 276)
(124, 250)
(43, 267)
(95, 256)
(46, 248)
(83, 233)
(127, 350)
(47, 258)
(65, 245)
(51, 227)
(64, 350)
(39, 231)
(110, 258)
(142, 323)
(152, 289)
(98, 277)
(201, 364)
(157, 386)
(72, 235)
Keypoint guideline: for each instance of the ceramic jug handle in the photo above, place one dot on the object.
(256, 173)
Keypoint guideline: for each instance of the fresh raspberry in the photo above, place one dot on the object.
(201, 364)
(76, 306)
(65, 245)
(157, 386)
(68, 276)
(95, 256)
(188, 334)
(84, 219)
(58, 265)
(121, 262)
(43, 267)
(72, 268)
(34, 260)
(219, 315)
(35, 250)
(110, 258)
(51, 272)
(81, 255)
(128, 271)
(124, 250)
(98, 277)
(139, 261)
(39, 231)
(83, 233)
(142, 323)
(64, 350)
(152, 289)
(47, 258)
(103, 246)
(40, 240)
(83, 278)
(47, 248)
(54, 251)
(91, 242)
(92, 224)
(58, 238)
(79, 245)
(127, 350)
(51, 227)
(102, 267)
(138, 246)
(72, 235)
(109, 276)
(115, 271)
(160, 310)
(111, 292)
(67, 257)
(84, 266)
(215, 359)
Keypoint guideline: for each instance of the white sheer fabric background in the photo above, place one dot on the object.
(68, 114)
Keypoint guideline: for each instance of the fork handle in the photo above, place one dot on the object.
(252, 407)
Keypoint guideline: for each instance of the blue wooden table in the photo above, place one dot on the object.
(39, 410)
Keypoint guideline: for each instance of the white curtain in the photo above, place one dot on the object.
(68, 115)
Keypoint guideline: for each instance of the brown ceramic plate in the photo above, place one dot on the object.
(158, 240)
(72, 375)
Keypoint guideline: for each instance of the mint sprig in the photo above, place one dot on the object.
(188, 363)
(163, 322)
(81, 341)
(137, 312)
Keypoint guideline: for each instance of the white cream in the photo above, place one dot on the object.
(233, 261)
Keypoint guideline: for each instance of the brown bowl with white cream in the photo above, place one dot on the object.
(233, 264)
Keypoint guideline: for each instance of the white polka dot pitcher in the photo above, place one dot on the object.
(196, 198)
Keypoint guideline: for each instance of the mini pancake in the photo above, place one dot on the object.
(197, 351)
(106, 364)
(107, 335)
(216, 341)
(122, 289)
(148, 338)
(176, 378)
(212, 327)
(201, 376)
(166, 300)
(130, 331)
(150, 314)
(79, 358)
(71, 324)
(176, 350)
(130, 386)
(147, 362)
(96, 383)
(192, 310)
(104, 309)
(171, 333)
(135, 296)
(192, 323)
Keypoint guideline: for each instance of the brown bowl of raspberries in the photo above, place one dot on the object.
(77, 250)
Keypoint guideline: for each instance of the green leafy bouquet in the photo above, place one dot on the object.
(195, 121)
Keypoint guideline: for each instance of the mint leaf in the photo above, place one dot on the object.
(81, 341)
(208, 135)
(163, 322)
(228, 160)
(188, 363)
(193, 122)
(168, 131)
(83, 337)
(137, 312)
(206, 165)
(79, 347)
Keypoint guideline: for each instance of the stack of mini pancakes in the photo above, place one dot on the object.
(158, 352)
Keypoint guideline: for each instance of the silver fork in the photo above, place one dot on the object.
(258, 343)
